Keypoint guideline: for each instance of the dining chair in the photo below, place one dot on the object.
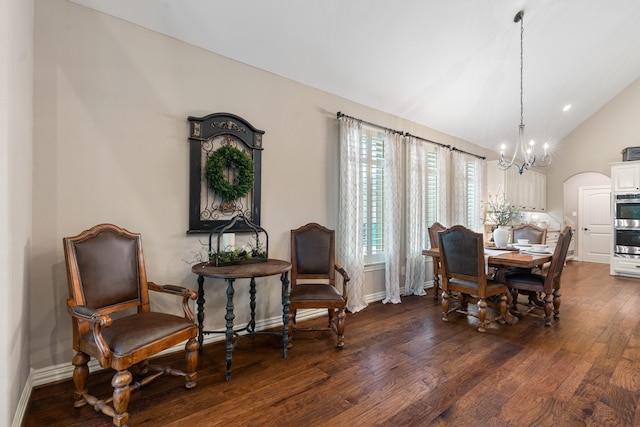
(545, 287)
(112, 319)
(313, 279)
(464, 271)
(435, 228)
(530, 232)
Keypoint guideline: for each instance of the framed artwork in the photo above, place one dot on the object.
(225, 168)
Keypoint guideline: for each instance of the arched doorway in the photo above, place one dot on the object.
(573, 187)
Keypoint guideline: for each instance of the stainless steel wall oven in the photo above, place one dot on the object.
(627, 225)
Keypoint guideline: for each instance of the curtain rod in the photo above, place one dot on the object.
(427, 140)
(466, 152)
(369, 123)
(408, 134)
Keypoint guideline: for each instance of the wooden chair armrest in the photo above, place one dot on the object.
(98, 322)
(174, 289)
(345, 280)
(83, 312)
(185, 293)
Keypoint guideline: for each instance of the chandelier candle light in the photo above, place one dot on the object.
(524, 155)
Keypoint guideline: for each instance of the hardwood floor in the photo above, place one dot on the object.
(402, 365)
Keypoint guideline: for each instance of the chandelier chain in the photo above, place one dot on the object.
(521, 70)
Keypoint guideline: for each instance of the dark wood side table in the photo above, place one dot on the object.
(242, 271)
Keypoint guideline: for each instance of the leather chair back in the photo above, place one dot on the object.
(462, 252)
(533, 233)
(433, 234)
(558, 260)
(313, 255)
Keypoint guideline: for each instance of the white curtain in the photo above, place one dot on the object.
(458, 188)
(467, 172)
(480, 166)
(392, 215)
(416, 215)
(350, 253)
(443, 157)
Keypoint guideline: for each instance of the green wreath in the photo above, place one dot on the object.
(223, 158)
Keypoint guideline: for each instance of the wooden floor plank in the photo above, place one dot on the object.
(402, 365)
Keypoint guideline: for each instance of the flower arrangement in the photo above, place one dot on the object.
(500, 211)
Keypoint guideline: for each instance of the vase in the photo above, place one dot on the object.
(501, 236)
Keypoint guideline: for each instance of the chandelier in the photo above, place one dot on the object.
(524, 155)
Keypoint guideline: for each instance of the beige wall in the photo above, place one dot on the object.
(595, 144)
(16, 141)
(111, 108)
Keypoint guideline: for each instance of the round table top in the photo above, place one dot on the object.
(242, 271)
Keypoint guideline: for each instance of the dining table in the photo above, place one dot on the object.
(497, 262)
(500, 260)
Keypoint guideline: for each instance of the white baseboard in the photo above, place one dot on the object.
(23, 403)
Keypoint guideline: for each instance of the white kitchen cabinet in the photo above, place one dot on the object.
(528, 191)
(625, 176)
(552, 239)
(625, 267)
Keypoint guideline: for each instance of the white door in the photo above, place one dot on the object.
(594, 224)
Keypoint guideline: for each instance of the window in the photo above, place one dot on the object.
(472, 209)
(432, 187)
(372, 173)
(431, 200)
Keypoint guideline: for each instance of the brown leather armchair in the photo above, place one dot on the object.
(464, 271)
(106, 275)
(313, 278)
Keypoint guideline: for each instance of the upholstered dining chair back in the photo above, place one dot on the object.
(558, 261)
(313, 255)
(435, 228)
(530, 232)
(109, 272)
(464, 272)
(462, 253)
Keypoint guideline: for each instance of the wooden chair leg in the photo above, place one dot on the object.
(80, 377)
(191, 356)
(340, 327)
(121, 395)
(482, 315)
(330, 313)
(503, 306)
(445, 305)
(548, 309)
(556, 303)
(290, 322)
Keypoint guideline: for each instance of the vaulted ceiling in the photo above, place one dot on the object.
(453, 66)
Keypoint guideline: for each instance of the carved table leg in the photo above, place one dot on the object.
(229, 333)
(251, 327)
(284, 278)
(200, 303)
